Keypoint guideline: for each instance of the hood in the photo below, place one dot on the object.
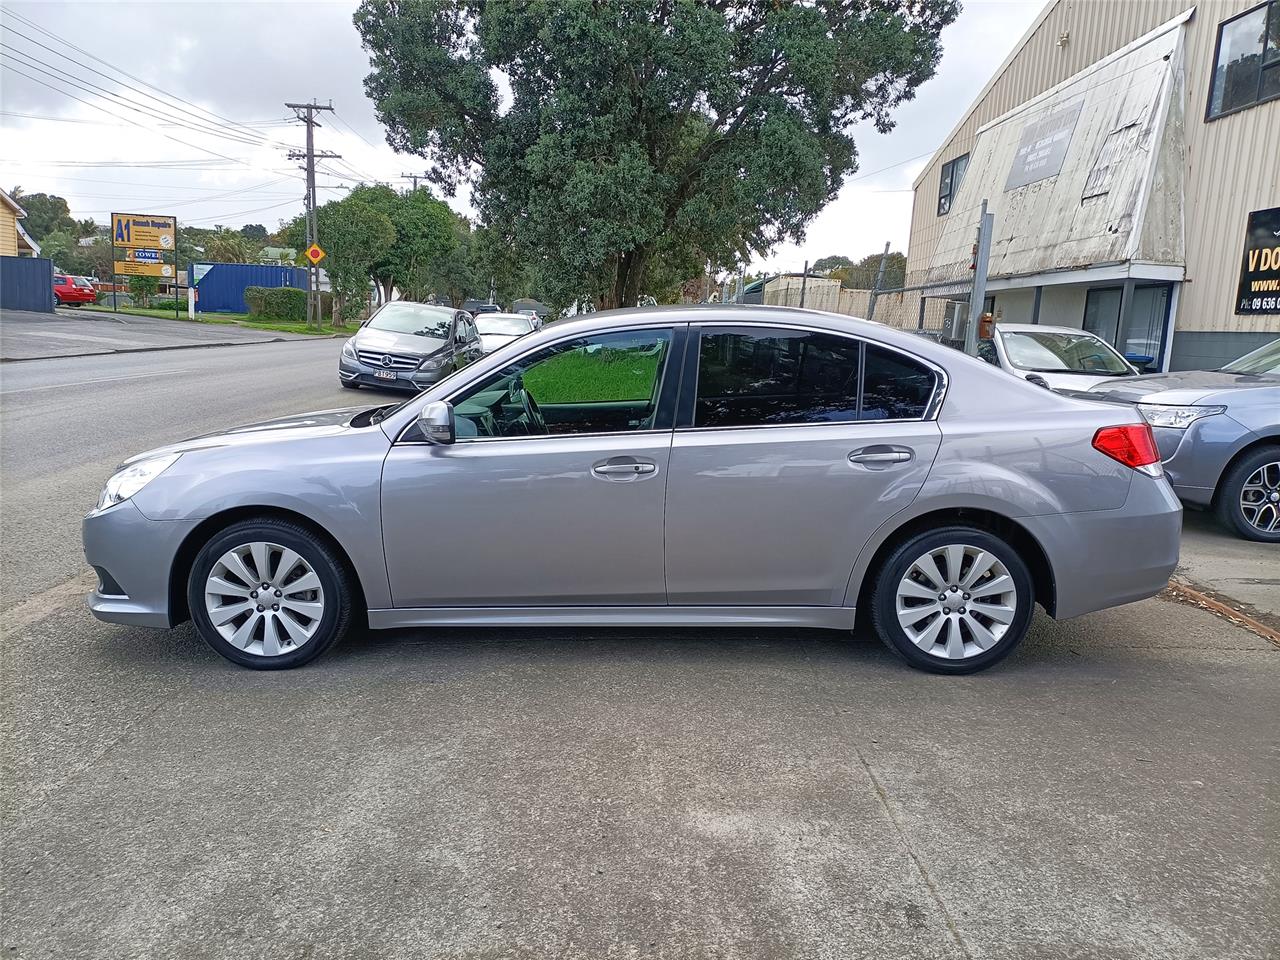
(1180, 388)
(388, 341)
(492, 341)
(320, 423)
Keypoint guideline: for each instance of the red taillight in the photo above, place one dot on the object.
(1132, 444)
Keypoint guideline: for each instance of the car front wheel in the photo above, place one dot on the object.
(269, 594)
(1248, 500)
(955, 600)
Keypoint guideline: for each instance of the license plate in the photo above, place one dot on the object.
(385, 374)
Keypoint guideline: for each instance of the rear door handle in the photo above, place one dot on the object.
(880, 455)
(624, 468)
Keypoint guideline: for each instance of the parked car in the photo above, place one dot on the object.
(73, 291)
(499, 329)
(1055, 357)
(1219, 437)
(713, 466)
(408, 346)
(532, 314)
(486, 308)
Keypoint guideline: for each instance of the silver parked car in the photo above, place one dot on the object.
(408, 346)
(1061, 358)
(1219, 436)
(654, 467)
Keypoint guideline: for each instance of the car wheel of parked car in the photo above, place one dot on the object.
(1248, 496)
(954, 600)
(269, 594)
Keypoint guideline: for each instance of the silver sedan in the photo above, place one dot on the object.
(710, 466)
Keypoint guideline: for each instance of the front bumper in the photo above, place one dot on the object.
(1105, 558)
(133, 557)
(353, 371)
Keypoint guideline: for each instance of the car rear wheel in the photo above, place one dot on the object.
(269, 594)
(1248, 498)
(955, 600)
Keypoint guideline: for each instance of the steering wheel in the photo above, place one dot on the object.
(534, 422)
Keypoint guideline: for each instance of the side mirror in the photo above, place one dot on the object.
(435, 420)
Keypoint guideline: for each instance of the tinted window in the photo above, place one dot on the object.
(759, 377)
(1247, 68)
(895, 387)
(603, 383)
(949, 182)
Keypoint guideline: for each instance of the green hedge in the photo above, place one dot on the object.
(276, 303)
(168, 305)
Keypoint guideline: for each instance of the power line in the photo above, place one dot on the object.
(66, 43)
(212, 153)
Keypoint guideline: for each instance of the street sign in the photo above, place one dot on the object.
(134, 230)
(314, 253)
(132, 268)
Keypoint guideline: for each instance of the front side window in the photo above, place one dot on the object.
(949, 185)
(601, 383)
(1246, 67)
(1263, 362)
(766, 377)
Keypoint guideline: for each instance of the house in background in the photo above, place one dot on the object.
(14, 241)
(1130, 154)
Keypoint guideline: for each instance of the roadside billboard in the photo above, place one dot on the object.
(135, 268)
(133, 230)
(144, 245)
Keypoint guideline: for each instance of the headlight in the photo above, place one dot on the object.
(127, 482)
(348, 350)
(432, 363)
(1179, 418)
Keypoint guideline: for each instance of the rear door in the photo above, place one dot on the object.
(791, 446)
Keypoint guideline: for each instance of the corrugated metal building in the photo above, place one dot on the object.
(1126, 149)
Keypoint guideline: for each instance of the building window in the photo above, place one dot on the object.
(1246, 61)
(952, 174)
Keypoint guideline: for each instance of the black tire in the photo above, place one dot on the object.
(1226, 503)
(884, 616)
(335, 581)
(349, 384)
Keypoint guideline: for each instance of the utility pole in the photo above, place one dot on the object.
(978, 296)
(306, 112)
(415, 177)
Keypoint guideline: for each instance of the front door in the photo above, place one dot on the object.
(552, 493)
(795, 447)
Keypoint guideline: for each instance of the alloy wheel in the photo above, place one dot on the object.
(264, 599)
(956, 601)
(1260, 498)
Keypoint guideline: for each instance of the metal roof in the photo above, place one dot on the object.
(1086, 174)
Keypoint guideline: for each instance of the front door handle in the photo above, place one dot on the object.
(880, 455)
(624, 468)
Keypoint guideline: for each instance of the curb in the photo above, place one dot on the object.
(1180, 591)
(174, 346)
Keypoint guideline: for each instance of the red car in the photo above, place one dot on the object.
(73, 290)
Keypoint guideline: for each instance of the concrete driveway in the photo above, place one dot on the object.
(26, 335)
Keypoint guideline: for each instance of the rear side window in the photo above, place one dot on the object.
(895, 387)
(767, 377)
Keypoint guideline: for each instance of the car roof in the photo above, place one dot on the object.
(1042, 328)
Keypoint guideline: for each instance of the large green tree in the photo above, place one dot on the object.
(355, 236)
(47, 214)
(424, 235)
(643, 139)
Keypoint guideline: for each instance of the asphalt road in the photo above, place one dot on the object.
(71, 332)
(1111, 791)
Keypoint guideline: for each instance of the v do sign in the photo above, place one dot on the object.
(1259, 290)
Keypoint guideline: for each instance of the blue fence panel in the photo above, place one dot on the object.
(220, 286)
(26, 283)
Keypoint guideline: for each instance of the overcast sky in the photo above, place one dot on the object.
(240, 61)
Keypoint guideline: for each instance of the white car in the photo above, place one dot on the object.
(499, 329)
(1061, 358)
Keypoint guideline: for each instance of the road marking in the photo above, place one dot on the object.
(80, 383)
(35, 609)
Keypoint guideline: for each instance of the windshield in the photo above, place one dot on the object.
(416, 318)
(84, 282)
(1064, 353)
(496, 324)
(1264, 360)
